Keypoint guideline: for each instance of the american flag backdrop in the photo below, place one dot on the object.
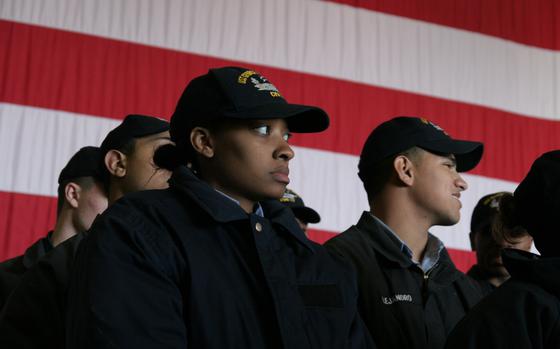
(486, 70)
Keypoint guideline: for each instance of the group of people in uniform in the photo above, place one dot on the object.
(184, 234)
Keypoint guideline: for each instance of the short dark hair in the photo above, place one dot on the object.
(84, 182)
(506, 225)
(129, 147)
(377, 177)
(170, 156)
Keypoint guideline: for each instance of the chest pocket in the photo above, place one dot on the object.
(321, 296)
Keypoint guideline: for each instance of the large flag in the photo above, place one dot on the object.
(486, 70)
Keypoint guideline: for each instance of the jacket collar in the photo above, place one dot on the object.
(529, 267)
(384, 244)
(383, 240)
(37, 250)
(224, 210)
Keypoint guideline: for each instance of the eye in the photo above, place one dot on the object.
(450, 165)
(263, 130)
(287, 136)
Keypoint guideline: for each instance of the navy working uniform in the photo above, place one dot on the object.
(524, 312)
(403, 305)
(187, 267)
(34, 315)
(13, 269)
(480, 276)
(84, 163)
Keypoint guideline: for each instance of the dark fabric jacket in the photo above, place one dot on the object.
(401, 306)
(524, 312)
(34, 315)
(187, 267)
(12, 270)
(478, 275)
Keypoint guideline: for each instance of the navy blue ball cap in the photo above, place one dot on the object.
(537, 198)
(243, 94)
(485, 210)
(133, 126)
(305, 214)
(404, 132)
(85, 163)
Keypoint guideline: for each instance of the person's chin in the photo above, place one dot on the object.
(275, 191)
(448, 220)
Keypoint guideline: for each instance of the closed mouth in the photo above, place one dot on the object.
(281, 175)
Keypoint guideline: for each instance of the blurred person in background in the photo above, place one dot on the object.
(81, 197)
(34, 316)
(488, 240)
(304, 215)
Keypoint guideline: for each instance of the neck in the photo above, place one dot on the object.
(115, 193)
(411, 228)
(498, 280)
(246, 204)
(64, 229)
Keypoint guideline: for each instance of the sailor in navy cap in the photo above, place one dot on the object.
(215, 260)
(412, 294)
(81, 197)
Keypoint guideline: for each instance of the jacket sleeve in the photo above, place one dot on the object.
(124, 292)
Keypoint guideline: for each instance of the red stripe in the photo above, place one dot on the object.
(90, 75)
(24, 219)
(463, 260)
(530, 22)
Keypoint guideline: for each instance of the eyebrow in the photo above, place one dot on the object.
(452, 158)
(162, 137)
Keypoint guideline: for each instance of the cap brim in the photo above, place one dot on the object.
(467, 153)
(300, 118)
(306, 214)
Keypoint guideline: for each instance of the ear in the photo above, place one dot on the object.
(115, 162)
(404, 169)
(72, 194)
(202, 142)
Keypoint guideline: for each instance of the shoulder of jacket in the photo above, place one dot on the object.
(12, 265)
(350, 238)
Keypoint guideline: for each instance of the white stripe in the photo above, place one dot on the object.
(327, 39)
(43, 140)
(36, 144)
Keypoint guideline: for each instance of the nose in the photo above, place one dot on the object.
(461, 183)
(284, 151)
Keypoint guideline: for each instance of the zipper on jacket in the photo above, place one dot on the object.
(425, 283)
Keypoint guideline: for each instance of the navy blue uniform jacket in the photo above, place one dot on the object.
(524, 312)
(402, 306)
(12, 270)
(33, 316)
(187, 267)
